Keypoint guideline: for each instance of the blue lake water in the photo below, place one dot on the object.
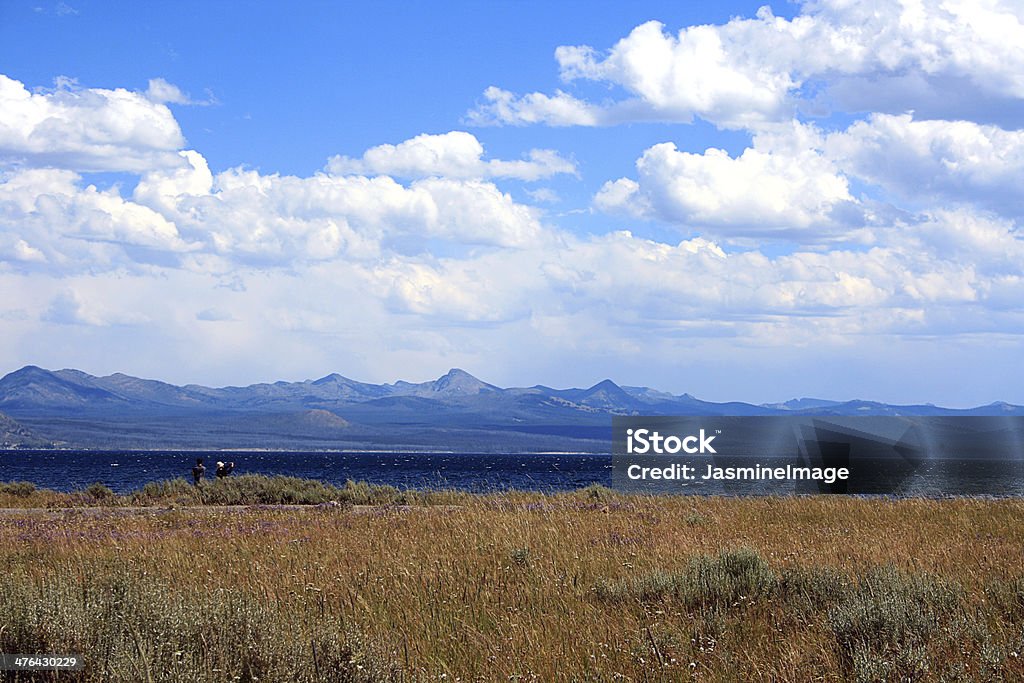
(125, 471)
(129, 470)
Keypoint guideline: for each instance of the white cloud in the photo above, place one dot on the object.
(481, 290)
(161, 91)
(989, 245)
(782, 184)
(162, 189)
(279, 219)
(561, 109)
(957, 161)
(903, 286)
(52, 218)
(86, 129)
(374, 236)
(701, 71)
(886, 55)
(793, 180)
(15, 249)
(181, 213)
(453, 155)
(52, 221)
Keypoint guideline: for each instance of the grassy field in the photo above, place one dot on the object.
(584, 586)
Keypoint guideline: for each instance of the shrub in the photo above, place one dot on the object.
(252, 489)
(695, 519)
(101, 493)
(811, 590)
(720, 580)
(21, 489)
(596, 492)
(884, 623)
(362, 493)
(520, 557)
(728, 577)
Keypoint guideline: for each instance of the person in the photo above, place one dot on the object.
(198, 471)
(224, 469)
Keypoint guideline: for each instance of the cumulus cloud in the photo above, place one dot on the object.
(240, 217)
(990, 245)
(958, 161)
(794, 181)
(180, 213)
(50, 220)
(886, 56)
(385, 239)
(280, 219)
(161, 189)
(782, 184)
(460, 291)
(453, 155)
(191, 216)
(86, 129)
(903, 286)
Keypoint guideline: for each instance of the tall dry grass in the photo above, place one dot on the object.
(583, 586)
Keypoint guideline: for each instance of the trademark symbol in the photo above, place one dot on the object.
(718, 431)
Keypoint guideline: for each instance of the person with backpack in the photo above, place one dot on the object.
(197, 472)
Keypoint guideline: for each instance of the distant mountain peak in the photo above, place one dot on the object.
(333, 378)
(605, 385)
(29, 370)
(32, 385)
(607, 395)
(459, 382)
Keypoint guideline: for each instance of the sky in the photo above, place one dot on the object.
(737, 201)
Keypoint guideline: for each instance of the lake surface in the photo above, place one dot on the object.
(125, 471)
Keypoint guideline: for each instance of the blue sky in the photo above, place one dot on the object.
(740, 203)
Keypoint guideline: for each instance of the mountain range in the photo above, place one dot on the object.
(457, 411)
